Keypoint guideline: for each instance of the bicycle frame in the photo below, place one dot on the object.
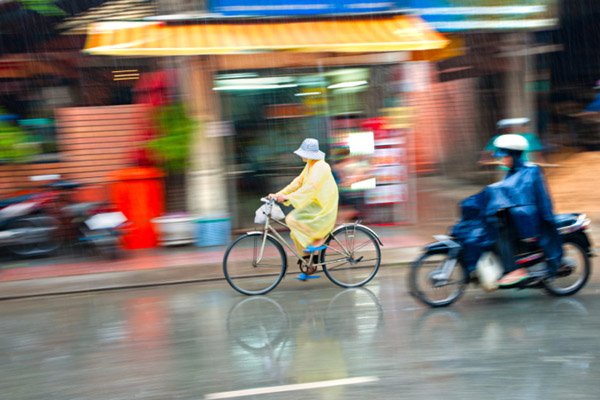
(268, 228)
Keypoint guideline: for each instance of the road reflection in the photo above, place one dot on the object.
(485, 344)
(298, 340)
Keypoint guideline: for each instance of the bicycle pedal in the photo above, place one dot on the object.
(359, 259)
(304, 277)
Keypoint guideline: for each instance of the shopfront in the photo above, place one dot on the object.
(274, 82)
(272, 111)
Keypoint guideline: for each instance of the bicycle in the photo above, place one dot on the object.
(256, 262)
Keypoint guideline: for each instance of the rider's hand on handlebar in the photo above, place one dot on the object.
(280, 198)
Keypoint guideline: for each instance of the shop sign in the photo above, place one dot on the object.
(289, 110)
(218, 129)
(297, 7)
(443, 15)
(387, 194)
(461, 15)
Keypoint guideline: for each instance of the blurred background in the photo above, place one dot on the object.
(135, 124)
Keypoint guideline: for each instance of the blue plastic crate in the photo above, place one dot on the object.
(212, 231)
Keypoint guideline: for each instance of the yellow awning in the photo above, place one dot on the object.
(159, 38)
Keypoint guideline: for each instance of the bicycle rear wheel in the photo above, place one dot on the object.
(246, 271)
(352, 256)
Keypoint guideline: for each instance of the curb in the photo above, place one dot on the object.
(90, 283)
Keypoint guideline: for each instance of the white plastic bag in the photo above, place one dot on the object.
(489, 270)
(260, 216)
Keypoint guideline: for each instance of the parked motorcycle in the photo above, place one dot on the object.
(92, 226)
(23, 231)
(439, 277)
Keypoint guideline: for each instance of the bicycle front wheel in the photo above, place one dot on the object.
(352, 256)
(251, 269)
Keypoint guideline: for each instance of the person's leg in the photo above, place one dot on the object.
(302, 229)
(297, 232)
(318, 242)
(297, 244)
(551, 243)
(309, 271)
(505, 247)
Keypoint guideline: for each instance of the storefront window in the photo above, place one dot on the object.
(273, 111)
(41, 132)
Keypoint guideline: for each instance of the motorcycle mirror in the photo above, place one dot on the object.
(49, 177)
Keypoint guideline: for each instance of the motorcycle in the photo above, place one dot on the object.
(23, 231)
(439, 276)
(92, 226)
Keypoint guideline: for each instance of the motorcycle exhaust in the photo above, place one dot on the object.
(25, 235)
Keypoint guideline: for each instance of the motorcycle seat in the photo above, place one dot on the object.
(80, 209)
(67, 185)
(530, 240)
(562, 220)
(13, 200)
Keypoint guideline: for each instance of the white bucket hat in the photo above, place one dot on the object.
(309, 149)
(509, 142)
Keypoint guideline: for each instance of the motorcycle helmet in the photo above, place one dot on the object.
(510, 144)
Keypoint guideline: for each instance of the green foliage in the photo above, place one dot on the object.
(175, 131)
(14, 146)
(45, 7)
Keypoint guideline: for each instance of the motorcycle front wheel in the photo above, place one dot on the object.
(429, 286)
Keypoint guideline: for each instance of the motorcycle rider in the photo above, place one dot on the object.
(517, 207)
(523, 194)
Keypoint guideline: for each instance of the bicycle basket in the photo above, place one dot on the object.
(260, 216)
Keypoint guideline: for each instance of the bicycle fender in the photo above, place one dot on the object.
(371, 231)
(262, 233)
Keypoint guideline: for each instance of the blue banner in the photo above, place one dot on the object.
(297, 7)
(459, 15)
(443, 15)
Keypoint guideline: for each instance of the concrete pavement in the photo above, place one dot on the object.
(402, 245)
(156, 267)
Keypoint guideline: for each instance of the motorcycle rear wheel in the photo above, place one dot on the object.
(578, 259)
(430, 291)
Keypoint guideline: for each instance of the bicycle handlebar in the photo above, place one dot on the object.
(267, 200)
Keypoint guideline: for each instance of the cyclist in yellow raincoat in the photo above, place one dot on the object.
(314, 196)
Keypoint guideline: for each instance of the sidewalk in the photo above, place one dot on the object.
(23, 278)
(160, 266)
(438, 199)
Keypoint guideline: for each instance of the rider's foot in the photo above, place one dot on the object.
(318, 242)
(316, 245)
(311, 249)
(303, 277)
(514, 277)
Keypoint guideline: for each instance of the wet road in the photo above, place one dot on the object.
(201, 341)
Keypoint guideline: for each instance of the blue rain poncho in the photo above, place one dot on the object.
(524, 195)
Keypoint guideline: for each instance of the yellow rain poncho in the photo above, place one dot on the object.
(314, 196)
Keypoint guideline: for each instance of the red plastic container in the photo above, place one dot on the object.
(138, 193)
